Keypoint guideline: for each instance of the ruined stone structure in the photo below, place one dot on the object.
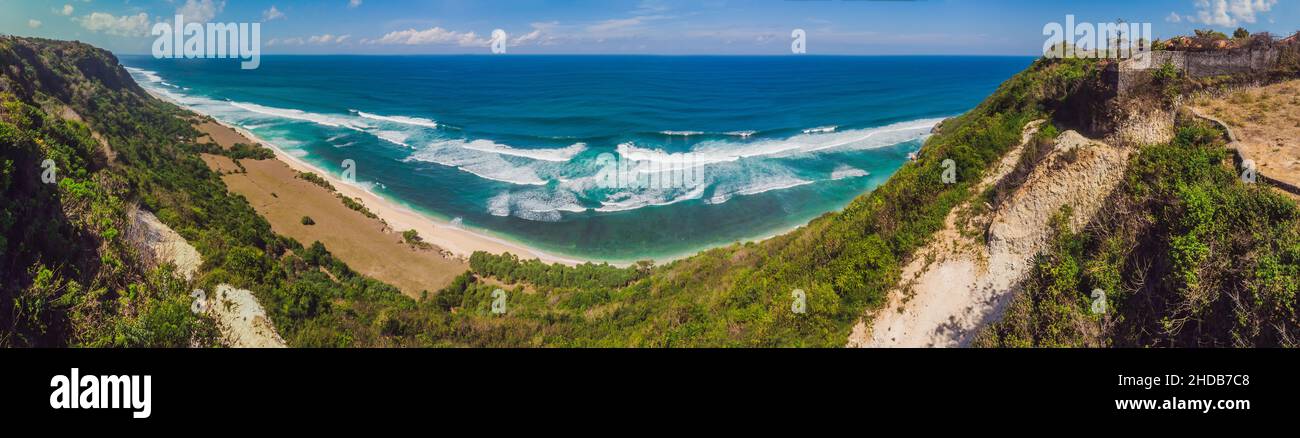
(1132, 72)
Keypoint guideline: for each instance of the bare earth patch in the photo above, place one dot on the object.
(960, 282)
(367, 245)
(1266, 121)
(159, 244)
(241, 319)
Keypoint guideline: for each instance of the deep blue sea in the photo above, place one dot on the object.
(515, 146)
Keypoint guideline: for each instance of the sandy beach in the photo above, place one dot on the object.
(370, 246)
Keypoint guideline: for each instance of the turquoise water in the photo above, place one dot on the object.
(714, 149)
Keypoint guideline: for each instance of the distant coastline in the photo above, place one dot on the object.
(523, 175)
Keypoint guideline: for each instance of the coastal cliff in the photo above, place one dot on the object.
(1184, 253)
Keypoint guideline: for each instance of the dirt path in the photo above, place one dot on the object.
(961, 281)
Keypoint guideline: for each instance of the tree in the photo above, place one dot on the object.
(1241, 33)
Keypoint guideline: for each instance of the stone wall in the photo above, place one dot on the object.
(1130, 73)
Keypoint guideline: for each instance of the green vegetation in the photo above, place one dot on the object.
(317, 180)
(357, 206)
(353, 204)
(845, 262)
(68, 274)
(734, 296)
(1210, 34)
(412, 237)
(1187, 255)
(248, 151)
(307, 220)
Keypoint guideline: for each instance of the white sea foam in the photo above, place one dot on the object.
(148, 76)
(821, 130)
(535, 205)
(413, 121)
(730, 174)
(395, 137)
(484, 165)
(720, 151)
(761, 185)
(624, 201)
(320, 119)
(555, 155)
(843, 172)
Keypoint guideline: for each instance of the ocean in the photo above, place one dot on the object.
(519, 147)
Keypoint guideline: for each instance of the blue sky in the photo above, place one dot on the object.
(1003, 27)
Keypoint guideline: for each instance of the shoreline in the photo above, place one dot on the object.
(452, 238)
(460, 241)
(457, 240)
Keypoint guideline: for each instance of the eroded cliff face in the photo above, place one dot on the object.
(1135, 125)
(1141, 116)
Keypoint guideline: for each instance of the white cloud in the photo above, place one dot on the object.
(435, 35)
(328, 38)
(354, 3)
(65, 11)
(296, 41)
(272, 14)
(1174, 18)
(622, 26)
(126, 25)
(314, 39)
(1228, 13)
(33, 23)
(541, 34)
(201, 10)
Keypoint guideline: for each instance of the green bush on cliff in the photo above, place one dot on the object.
(1191, 257)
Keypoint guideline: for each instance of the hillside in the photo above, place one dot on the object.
(68, 276)
(1191, 250)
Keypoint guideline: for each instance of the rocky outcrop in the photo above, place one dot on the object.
(957, 284)
(158, 244)
(241, 319)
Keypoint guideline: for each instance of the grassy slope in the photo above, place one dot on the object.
(845, 262)
(1188, 255)
(734, 296)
